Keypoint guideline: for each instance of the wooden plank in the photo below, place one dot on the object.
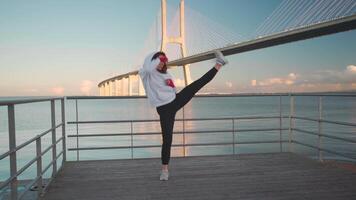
(254, 176)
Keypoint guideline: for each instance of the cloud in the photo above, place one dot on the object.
(288, 80)
(328, 77)
(292, 76)
(254, 82)
(86, 87)
(32, 90)
(353, 85)
(228, 84)
(322, 80)
(346, 76)
(57, 90)
(351, 69)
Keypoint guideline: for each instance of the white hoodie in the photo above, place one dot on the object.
(154, 82)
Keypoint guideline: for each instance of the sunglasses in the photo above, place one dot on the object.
(163, 58)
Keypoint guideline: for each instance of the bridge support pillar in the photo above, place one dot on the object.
(101, 90)
(130, 80)
(141, 90)
(113, 91)
(107, 88)
(124, 86)
(118, 87)
(180, 40)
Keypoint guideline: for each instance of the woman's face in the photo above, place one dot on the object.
(162, 66)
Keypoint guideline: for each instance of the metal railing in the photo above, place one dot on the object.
(37, 182)
(292, 130)
(233, 128)
(320, 121)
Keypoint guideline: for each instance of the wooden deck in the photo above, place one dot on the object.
(255, 176)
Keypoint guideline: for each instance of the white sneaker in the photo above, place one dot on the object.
(164, 175)
(220, 59)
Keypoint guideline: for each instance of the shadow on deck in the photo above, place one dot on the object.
(254, 176)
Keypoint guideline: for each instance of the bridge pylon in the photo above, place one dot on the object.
(180, 40)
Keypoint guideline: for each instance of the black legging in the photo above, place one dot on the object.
(168, 112)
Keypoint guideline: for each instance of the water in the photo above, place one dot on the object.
(33, 119)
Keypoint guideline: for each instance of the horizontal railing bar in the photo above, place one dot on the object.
(189, 119)
(230, 118)
(36, 137)
(28, 165)
(50, 180)
(29, 142)
(111, 121)
(326, 121)
(174, 145)
(196, 96)
(22, 101)
(306, 118)
(177, 133)
(5, 183)
(325, 150)
(34, 100)
(111, 134)
(28, 187)
(5, 155)
(263, 129)
(47, 167)
(147, 133)
(25, 144)
(59, 139)
(32, 140)
(324, 135)
(51, 163)
(112, 147)
(51, 146)
(338, 122)
(322, 94)
(336, 94)
(105, 97)
(19, 172)
(231, 143)
(46, 150)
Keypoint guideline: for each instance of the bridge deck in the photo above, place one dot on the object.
(255, 176)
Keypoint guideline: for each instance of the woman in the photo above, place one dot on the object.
(161, 93)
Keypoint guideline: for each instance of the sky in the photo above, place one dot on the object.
(67, 47)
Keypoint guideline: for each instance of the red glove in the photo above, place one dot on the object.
(170, 83)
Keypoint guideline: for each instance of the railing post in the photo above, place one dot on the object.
(76, 120)
(12, 146)
(64, 130)
(320, 129)
(54, 147)
(280, 123)
(291, 122)
(233, 136)
(39, 166)
(131, 141)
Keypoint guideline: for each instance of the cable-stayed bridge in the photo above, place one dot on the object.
(197, 37)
